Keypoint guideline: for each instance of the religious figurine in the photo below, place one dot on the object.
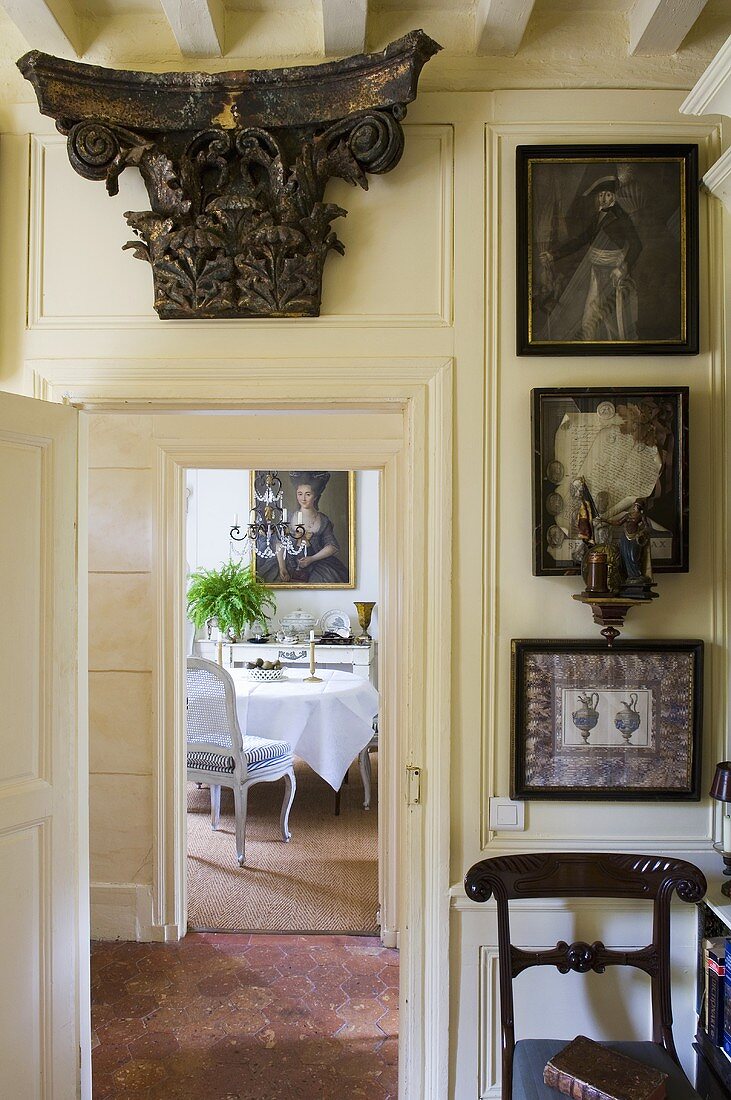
(635, 554)
(584, 516)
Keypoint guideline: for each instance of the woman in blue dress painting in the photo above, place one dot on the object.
(321, 564)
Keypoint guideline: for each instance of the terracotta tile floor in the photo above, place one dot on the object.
(245, 1017)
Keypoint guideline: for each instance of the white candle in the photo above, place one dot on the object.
(299, 519)
(236, 519)
(726, 820)
(284, 514)
(312, 635)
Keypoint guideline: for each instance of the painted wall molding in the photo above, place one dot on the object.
(440, 296)
(415, 563)
(711, 94)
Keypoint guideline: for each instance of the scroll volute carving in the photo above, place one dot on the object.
(236, 166)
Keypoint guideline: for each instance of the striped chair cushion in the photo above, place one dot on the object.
(259, 752)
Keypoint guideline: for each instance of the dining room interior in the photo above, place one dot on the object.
(324, 879)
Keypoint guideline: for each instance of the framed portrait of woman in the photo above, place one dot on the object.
(317, 508)
(607, 249)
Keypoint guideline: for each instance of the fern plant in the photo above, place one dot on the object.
(232, 595)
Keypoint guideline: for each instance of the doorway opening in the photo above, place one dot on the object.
(396, 417)
(315, 547)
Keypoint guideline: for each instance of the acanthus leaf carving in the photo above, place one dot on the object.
(238, 224)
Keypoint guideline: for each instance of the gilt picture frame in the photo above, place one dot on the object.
(591, 722)
(607, 249)
(610, 445)
(328, 519)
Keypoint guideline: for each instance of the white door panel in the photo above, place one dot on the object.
(39, 792)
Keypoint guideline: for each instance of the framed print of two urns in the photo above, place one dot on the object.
(607, 265)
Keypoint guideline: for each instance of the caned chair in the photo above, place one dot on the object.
(585, 875)
(220, 756)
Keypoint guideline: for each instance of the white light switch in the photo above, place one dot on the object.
(506, 814)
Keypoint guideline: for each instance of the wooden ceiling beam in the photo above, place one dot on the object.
(344, 27)
(659, 26)
(500, 25)
(50, 27)
(197, 26)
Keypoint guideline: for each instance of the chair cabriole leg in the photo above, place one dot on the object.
(364, 759)
(241, 794)
(215, 805)
(290, 786)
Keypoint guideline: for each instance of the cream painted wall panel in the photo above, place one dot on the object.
(120, 520)
(24, 998)
(80, 275)
(119, 441)
(121, 810)
(120, 723)
(121, 626)
(21, 476)
(687, 607)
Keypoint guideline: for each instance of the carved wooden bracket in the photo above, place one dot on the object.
(235, 165)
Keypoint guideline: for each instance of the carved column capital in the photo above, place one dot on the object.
(236, 166)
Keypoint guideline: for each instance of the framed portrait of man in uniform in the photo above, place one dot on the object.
(607, 249)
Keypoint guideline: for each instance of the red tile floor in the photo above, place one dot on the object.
(245, 1017)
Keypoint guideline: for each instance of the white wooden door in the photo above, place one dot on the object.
(42, 960)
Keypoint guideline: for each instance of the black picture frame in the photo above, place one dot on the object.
(579, 302)
(654, 417)
(586, 754)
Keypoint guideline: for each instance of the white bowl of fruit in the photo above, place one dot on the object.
(264, 670)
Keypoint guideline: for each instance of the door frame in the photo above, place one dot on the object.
(415, 619)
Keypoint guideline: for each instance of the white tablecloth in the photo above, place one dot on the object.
(326, 724)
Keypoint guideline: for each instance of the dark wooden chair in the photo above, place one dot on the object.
(585, 875)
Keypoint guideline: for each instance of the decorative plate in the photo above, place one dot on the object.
(266, 674)
(335, 620)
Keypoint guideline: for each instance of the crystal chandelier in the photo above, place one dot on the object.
(269, 528)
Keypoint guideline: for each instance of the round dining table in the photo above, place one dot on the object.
(326, 723)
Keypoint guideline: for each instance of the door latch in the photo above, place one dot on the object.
(413, 785)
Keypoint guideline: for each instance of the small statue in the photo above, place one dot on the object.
(635, 552)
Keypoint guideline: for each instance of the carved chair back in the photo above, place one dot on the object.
(585, 875)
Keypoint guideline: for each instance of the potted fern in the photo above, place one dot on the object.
(231, 595)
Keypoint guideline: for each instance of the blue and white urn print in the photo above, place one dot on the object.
(586, 716)
(627, 720)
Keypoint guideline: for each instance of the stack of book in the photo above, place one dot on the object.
(715, 1014)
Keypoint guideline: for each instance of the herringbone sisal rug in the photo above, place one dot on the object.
(324, 880)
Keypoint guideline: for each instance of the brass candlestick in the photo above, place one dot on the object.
(365, 610)
(312, 679)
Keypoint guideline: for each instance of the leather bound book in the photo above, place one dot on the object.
(585, 1070)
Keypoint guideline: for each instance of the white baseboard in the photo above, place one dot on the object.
(122, 911)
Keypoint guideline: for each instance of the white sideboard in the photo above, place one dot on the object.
(358, 659)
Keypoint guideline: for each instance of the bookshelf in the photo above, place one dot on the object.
(713, 1067)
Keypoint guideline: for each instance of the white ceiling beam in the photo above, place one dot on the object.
(659, 26)
(48, 25)
(500, 25)
(197, 26)
(344, 27)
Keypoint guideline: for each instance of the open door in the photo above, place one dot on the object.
(44, 1042)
